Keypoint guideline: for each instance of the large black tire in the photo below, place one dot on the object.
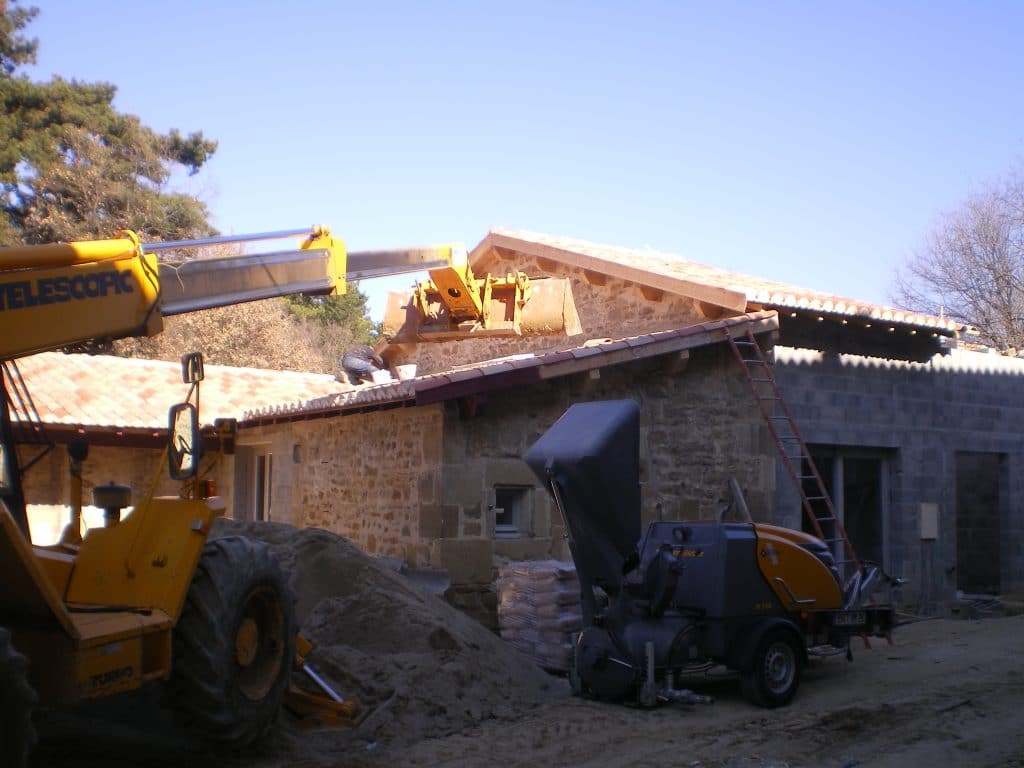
(17, 735)
(773, 675)
(234, 645)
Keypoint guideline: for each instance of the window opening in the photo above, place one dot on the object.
(263, 484)
(510, 509)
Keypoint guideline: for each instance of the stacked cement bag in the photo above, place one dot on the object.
(539, 610)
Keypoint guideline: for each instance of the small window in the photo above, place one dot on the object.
(511, 510)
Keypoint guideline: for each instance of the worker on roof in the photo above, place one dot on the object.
(360, 362)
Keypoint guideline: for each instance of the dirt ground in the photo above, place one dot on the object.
(442, 691)
(947, 693)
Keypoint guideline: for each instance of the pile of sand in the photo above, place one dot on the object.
(420, 667)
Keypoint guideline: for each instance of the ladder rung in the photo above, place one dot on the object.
(783, 441)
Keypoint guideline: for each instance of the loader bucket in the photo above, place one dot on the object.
(509, 307)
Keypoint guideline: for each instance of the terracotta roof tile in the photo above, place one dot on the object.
(115, 392)
(119, 393)
(633, 264)
(464, 374)
(432, 382)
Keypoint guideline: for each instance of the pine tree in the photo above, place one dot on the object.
(72, 167)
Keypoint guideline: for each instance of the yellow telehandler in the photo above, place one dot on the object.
(149, 597)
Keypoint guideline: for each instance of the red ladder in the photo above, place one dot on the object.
(818, 506)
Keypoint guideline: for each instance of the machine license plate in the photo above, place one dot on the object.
(850, 618)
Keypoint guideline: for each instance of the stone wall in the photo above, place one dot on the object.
(923, 415)
(699, 427)
(607, 307)
(419, 482)
(363, 476)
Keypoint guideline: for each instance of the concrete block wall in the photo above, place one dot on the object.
(924, 414)
(978, 529)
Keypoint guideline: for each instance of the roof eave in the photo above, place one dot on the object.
(734, 301)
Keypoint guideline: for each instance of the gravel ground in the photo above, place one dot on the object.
(442, 691)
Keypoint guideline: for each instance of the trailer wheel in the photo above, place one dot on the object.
(234, 645)
(17, 735)
(774, 672)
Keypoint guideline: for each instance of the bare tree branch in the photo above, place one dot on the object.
(971, 266)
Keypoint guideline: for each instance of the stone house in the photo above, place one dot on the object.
(119, 406)
(918, 442)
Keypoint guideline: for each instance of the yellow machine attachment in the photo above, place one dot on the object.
(60, 295)
(318, 710)
(57, 296)
(63, 294)
(455, 304)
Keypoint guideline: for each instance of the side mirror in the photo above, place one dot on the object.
(185, 447)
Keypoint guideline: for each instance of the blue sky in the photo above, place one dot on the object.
(814, 143)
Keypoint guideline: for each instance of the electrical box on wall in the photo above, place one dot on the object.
(928, 515)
